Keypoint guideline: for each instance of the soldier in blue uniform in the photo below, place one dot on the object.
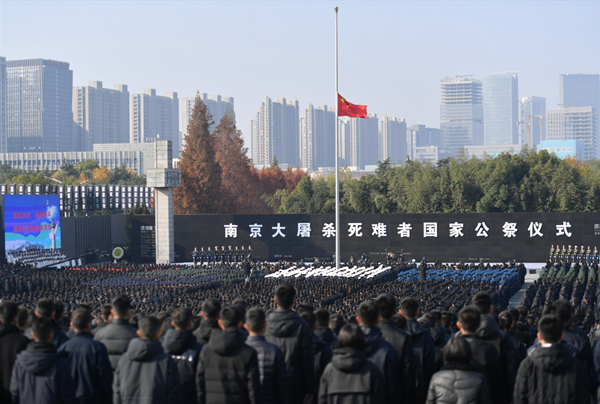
(209, 255)
(575, 255)
(236, 254)
(250, 252)
(569, 253)
(229, 255)
(195, 256)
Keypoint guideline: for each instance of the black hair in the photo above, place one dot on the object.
(447, 319)
(336, 322)
(400, 321)
(59, 310)
(564, 310)
(121, 305)
(368, 313)
(505, 320)
(482, 301)
(550, 328)
(432, 318)
(303, 307)
(309, 317)
(322, 316)
(43, 329)
(211, 309)
(386, 304)
(105, 311)
(182, 317)
(45, 308)
(80, 319)
(149, 326)
(351, 336)
(523, 312)
(231, 316)
(469, 318)
(284, 295)
(8, 312)
(410, 307)
(457, 350)
(255, 319)
(550, 309)
(22, 317)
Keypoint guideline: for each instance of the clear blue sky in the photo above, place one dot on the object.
(392, 54)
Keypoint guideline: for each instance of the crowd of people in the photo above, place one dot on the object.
(36, 257)
(220, 333)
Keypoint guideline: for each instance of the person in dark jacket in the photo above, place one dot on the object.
(90, 367)
(323, 331)
(145, 373)
(485, 357)
(323, 353)
(12, 341)
(350, 378)
(423, 270)
(211, 309)
(117, 335)
(423, 345)
(400, 340)
(45, 308)
(380, 352)
(458, 381)
(292, 335)
(102, 320)
(181, 344)
(271, 365)
(40, 375)
(228, 368)
(550, 374)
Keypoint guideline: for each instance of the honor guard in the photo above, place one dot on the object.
(229, 254)
(581, 255)
(575, 254)
(595, 254)
(552, 252)
(209, 255)
(250, 252)
(569, 253)
(588, 255)
(202, 256)
(236, 254)
(195, 256)
(563, 253)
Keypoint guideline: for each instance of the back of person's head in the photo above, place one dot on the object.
(564, 310)
(457, 350)
(336, 322)
(43, 329)
(149, 328)
(8, 312)
(45, 308)
(483, 302)
(121, 306)
(182, 318)
(303, 307)
(387, 305)
(550, 309)
(310, 318)
(409, 307)
(239, 302)
(550, 328)
(81, 318)
(400, 321)
(447, 319)
(285, 295)
(351, 336)
(255, 320)
(469, 319)
(105, 311)
(322, 316)
(523, 312)
(431, 318)
(211, 309)
(22, 317)
(505, 320)
(368, 313)
(231, 316)
(423, 322)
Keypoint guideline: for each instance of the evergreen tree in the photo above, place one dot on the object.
(200, 190)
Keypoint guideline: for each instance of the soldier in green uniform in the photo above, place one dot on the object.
(582, 255)
(552, 252)
(569, 253)
(595, 254)
(250, 252)
(563, 253)
(575, 255)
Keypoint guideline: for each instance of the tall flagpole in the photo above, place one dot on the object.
(337, 166)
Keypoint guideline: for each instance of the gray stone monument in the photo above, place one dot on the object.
(164, 178)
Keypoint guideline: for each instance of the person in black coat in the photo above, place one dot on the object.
(40, 375)
(400, 340)
(458, 381)
(550, 373)
(321, 349)
(12, 341)
(323, 331)
(211, 309)
(271, 365)
(380, 352)
(45, 308)
(146, 373)
(228, 368)
(90, 367)
(292, 335)
(117, 335)
(350, 378)
(181, 344)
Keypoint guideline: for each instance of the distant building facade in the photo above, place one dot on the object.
(580, 90)
(153, 117)
(3, 106)
(361, 139)
(426, 154)
(578, 123)
(276, 133)
(392, 140)
(564, 148)
(461, 113)
(491, 150)
(422, 136)
(100, 115)
(317, 137)
(532, 109)
(39, 106)
(216, 104)
(501, 108)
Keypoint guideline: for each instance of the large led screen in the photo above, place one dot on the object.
(31, 222)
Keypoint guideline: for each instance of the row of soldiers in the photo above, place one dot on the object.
(573, 254)
(223, 255)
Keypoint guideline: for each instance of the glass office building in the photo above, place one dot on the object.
(501, 108)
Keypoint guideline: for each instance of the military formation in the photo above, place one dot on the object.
(223, 255)
(573, 254)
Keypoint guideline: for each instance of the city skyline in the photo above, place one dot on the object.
(237, 60)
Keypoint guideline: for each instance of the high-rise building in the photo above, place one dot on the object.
(361, 138)
(317, 137)
(216, 104)
(532, 109)
(500, 108)
(39, 111)
(421, 136)
(345, 157)
(3, 109)
(276, 133)
(100, 115)
(580, 90)
(392, 140)
(153, 117)
(578, 123)
(461, 113)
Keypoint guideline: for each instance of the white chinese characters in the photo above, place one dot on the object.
(328, 230)
(379, 230)
(278, 230)
(535, 229)
(456, 229)
(231, 230)
(482, 229)
(255, 230)
(563, 229)
(509, 229)
(303, 230)
(355, 229)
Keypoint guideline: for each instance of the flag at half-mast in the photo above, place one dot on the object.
(346, 108)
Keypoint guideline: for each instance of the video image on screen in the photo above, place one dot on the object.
(31, 222)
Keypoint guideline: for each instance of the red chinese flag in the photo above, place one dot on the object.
(347, 109)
